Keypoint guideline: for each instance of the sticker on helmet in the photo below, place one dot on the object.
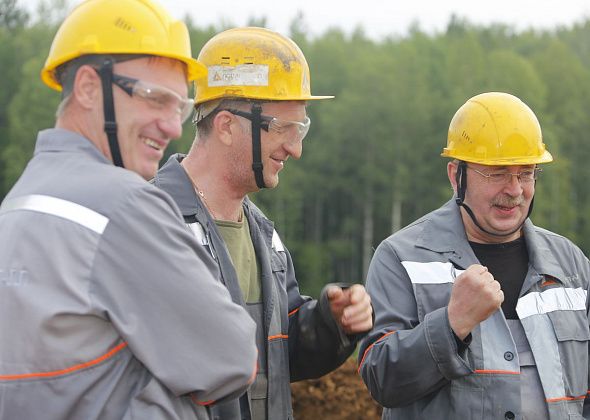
(244, 75)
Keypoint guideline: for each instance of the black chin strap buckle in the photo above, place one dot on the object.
(110, 127)
(257, 168)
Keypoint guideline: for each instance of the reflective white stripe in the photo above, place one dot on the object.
(60, 208)
(558, 299)
(431, 272)
(276, 242)
(199, 233)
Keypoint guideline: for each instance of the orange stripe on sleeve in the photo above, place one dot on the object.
(71, 369)
(277, 337)
(370, 347)
(495, 372)
(548, 283)
(203, 403)
(565, 399)
(294, 311)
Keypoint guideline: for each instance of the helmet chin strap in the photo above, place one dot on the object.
(257, 166)
(461, 180)
(110, 125)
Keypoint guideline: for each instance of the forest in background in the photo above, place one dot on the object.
(371, 163)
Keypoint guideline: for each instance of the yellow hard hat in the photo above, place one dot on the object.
(119, 27)
(253, 63)
(496, 128)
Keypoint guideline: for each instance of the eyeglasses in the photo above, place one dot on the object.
(524, 177)
(157, 97)
(293, 131)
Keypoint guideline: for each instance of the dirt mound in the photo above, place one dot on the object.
(340, 395)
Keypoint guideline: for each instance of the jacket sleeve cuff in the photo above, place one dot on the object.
(443, 345)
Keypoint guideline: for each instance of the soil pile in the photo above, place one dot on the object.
(340, 395)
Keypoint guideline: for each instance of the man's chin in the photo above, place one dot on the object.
(504, 229)
(271, 183)
(146, 173)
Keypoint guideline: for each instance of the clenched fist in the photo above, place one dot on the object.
(351, 308)
(476, 295)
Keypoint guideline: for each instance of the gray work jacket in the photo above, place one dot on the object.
(302, 339)
(109, 309)
(410, 361)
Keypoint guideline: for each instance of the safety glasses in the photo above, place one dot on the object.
(293, 131)
(157, 97)
(503, 177)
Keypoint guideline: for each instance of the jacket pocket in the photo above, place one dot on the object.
(277, 264)
(466, 401)
(573, 334)
(279, 270)
(570, 325)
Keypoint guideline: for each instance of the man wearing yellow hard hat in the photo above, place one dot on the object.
(109, 308)
(480, 313)
(250, 119)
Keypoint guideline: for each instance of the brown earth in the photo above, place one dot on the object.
(340, 395)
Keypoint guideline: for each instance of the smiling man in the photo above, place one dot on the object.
(250, 120)
(479, 313)
(113, 311)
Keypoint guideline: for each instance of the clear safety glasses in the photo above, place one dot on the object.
(157, 97)
(292, 131)
(505, 177)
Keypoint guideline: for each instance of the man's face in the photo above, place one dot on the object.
(145, 128)
(276, 147)
(500, 206)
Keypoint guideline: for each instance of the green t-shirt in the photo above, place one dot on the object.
(236, 236)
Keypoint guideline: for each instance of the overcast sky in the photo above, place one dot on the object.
(379, 18)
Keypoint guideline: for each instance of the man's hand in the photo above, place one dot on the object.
(476, 295)
(351, 308)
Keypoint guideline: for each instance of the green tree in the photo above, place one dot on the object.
(11, 16)
(25, 104)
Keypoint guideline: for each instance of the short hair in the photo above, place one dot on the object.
(205, 124)
(66, 74)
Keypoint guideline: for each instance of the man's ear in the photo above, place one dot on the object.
(225, 127)
(87, 87)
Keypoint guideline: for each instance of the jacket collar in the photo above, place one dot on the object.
(173, 179)
(61, 140)
(443, 232)
(541, 258)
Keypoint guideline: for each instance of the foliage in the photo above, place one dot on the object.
(371, 163)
